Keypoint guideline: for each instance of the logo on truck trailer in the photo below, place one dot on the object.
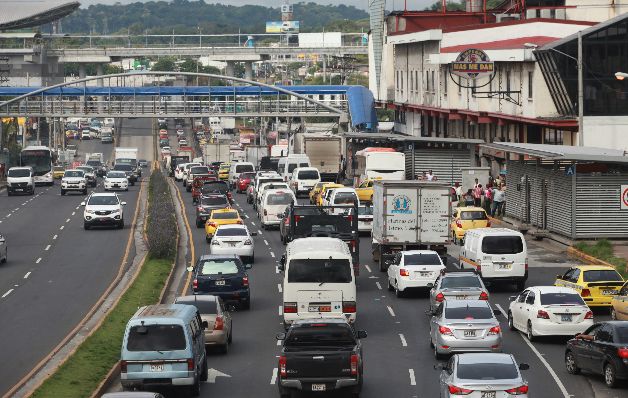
(401, 205)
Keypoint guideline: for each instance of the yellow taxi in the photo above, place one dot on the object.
(223, 171)
(365, 190)
(321, 195)
(220, 217)
(466, 218)
(597, 284)
(57, 172)
(619, 304)
(315, 191)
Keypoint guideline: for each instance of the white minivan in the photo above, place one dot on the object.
(498, 255)
(273, 206)
(238, 168)
(318, 280)
(286, 165)
(342, 197)
(303, 179)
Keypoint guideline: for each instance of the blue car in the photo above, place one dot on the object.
(224, 276)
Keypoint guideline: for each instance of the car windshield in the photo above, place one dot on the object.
(71, 147)
(205, 307)
(308, 175)
(468, 313)
(279, 199)
(473, 215)
(94, 163)
(97, 200)
(421, 259)
(245, 176)
(561, 298)
(345, 198)
(123, 167)
(86, 169)
(156, 338)
(214, 201)
(16, 173)
(511, 244)
(215, 186)
(602, 275)
(58, 168)
(231, 232)
(487, 371)
(320, 334)
(74, 173)
(365, 211)
(199, 170)
(219, 267)
(460, 282)
(319, 270)
(116, 174)
(242, 168)
(225, 215)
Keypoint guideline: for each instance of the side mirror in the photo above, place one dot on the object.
(281, 336)
(362, 334)
(253, 233)
(512, 298)
(282, 260)
(123, 203)
(248, 266)
(430, 285)
(204, 325)
(82, 203)
(439, 366)
(524, 366)
(497, 312)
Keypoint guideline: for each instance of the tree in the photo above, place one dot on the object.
(164, 64)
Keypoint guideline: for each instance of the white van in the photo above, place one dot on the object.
(498, 254)
(286, 165)
(273, 205)
(342, 197)
(303, 179)
(238, 168)
(318, 280)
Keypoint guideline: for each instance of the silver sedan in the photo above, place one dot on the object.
(457, 285)
(464, 326)
(234, 239)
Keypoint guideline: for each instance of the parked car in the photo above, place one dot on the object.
(414, 269)
(457, 285)
(234, 239)
(225, 276)
(619, 304)
(597, 284)
(219, 331)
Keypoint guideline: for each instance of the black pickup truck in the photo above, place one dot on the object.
(320, 355)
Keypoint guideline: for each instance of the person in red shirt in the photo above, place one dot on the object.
(478, 192)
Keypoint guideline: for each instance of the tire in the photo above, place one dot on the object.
(230, 338)
(126, 190)
(208, 239)
(610, 375)
(390, 287)
(133, 184)
(195, 389)
(188, 188)
(10, 194)
(437, 356)
(6, 257)
(62, 192)
(511, 324)
(252, 259)
(570, 363)
(398, 293)
(86, 226)
(224, 349)
(121, 224)
(247, 305)
(205, 371)
(85, 191)
(199, 224)
(529, 332)
(454, 238)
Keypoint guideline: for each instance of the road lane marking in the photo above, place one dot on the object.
(47, 248)
(265, 242)
(38, 260)
(17, 209)
(8, 215)
(276, 269)
(404, 343)
(73, 213)
(273, 379)
(7, 293)
(367, 268)
(67, 220)
(279, 287)
(392, 313)
(280, 310)
(61, 228)
(559, 383)
(27, 275)
(259, 232)
(54, 237)
(77, 207)
(412, 378)
(378, 285)
(272, 254)
(252, 222)
(278, 342)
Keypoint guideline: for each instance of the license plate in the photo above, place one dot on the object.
(469, 333)
(488, 394)
(18, 189)
(116, 186)
(610, 292)
(565, 317)
(319, 308)
(461, 297)
(156, 367)
(220, 283)
(426, 273)
(318, 387)
(232, 244)
(504, 266)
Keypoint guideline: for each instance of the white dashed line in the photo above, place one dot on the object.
(273, 379)
(280, 310)
(259, 232)
(378, 285)
(252, 222)
(17, 209)
(412, 378)
(27, 275)
(276, 269)
(73, 213)
(67, 220)
(8, 215)
(61, 228)
(278, 342)
(7, 293)
(38, 260)
(272, 254)
(265, 242)
(77, 207)
(279, 287)
(47, 248)
(54, 237)
(392, 313)
(367, 268)
(404, 343)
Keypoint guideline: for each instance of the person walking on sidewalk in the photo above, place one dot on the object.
(499, 199)
(488, 198)
(477, 195)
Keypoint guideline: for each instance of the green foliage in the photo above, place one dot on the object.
(161, 230)
(385, 114)
(164, 64)
(603, 250)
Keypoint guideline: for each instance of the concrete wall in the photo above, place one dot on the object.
(606, 131)
(594, 10)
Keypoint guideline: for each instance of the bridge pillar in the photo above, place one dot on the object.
(82, 73)
(99, 72)
(248, 70)
(230, 70)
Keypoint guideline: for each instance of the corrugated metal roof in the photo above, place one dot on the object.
(562, 152)
(585, 32)
(18, 14)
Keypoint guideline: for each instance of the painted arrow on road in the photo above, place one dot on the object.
(213, 373)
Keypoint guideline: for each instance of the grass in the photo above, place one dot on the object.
(603, 249)
(86, 368)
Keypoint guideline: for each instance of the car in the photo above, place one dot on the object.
(57, 172)
(183, 142)
(164, 142)
(250, 194)
(198, 183)
(142, 163)
(73, 180)
(234, 239)
(262, 187)
(225, 276)
(303, 179)
(619, 304)
(217, 187)
(365, 190)
(116, 180)
(289, 218)
(3, 249)
(273, 205)
(482, 375)
(20, 180)
(243, 181)
(597, 284)
(464, 326)
(186, 170)
(457, 285)
(90, 175)
(414, 269)
(466, 218)
(238, 168)
(549, 311)
(194, 172)
(219, 331)
(315, 191)
(223, 171)
(129, 170)
(206, 204)
(180, 132)
(365, 219)
(102, 209)
(220, 217)
(85, 135)
(602, 349)
(325, 192)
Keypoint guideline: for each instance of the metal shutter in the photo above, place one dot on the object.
(598, 207)
(444, 162)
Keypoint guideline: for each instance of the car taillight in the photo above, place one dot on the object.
(494, 330)
(123, 366)
(200, 208)
(282, 366)
(212, 224)
(191, 364)
(455, 390)
(458, 223)
(245, 281)
(542, 314)
(354, 365)
(240, 222)
(404, 272)
(350, 218)
(623, 352)
(483, 296)
(353, 246)
(445, 330)
(440, 297)
(518, 390)
(289, 308)
(526, 265)
(585, 293)
(349, 307)
(219, 323)
(195, 284)
(589, 315)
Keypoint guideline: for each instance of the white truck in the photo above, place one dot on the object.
(126, 155)
(254, 153)
(216, 152)
(409, 215)
(325, 151)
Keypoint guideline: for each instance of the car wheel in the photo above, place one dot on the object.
(6, 256)
(85, 191)
(247, 305)
(511, 324)
(529, 332)
(398, 293)
(610, 375)
(86, 226)
(62, 193)
(570, 363)
(199, 224)
(437, 355)
(208, 239)
(126, 189)
(454, 238)
(390, 286)
(205, 371)
(195, 389)
(613, 314)
(252, 259)
(121, 224)
(224, 349)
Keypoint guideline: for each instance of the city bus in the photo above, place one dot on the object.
(41, 159)
(380, 163)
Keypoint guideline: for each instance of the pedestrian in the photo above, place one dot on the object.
(488, 198)
(499, 198)
(468, 198)
(477, 195)
(475, 185)
(429, 176)
(458, 189)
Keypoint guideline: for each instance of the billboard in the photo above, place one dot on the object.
(472, 64)
(282, 26)
(326, 39)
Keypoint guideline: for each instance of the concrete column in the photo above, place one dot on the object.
(229, 71)
(82, 73)
(99, 72)
(248, 70)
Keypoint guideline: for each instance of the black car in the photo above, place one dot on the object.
(142, 163)
(217, 187)
(208, 203)
(293, 215)
(224, 276)
(601, 349)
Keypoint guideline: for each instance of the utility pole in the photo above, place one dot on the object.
(580, 93)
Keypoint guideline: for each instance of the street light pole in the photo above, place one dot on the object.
(580, 93)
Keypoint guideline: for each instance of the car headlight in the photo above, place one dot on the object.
(115, 211)
(90, 212)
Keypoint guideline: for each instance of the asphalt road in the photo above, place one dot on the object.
(398, 359)
(56, 271)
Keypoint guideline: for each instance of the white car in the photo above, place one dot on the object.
(273, 205)
(549, 311)
(365, 218)
(3, 249)
(73, 180)
(234, 239)
(85, 135)
(103, 209)
(20, 180)
(186, 170)
(116, 180)
(183, 142)
(303, 179)
(414, 269)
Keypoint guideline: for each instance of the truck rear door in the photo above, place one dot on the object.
(401, 214)
(434, 210)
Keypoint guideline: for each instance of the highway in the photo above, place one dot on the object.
(57, 271)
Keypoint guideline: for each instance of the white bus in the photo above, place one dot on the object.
(41, 159)
(380, 163)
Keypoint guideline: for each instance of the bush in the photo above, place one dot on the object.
(161, 230)
(603, 249)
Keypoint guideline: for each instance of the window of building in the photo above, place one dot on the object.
(401, 74)
(459, 85)
(553, 137)
(411, 81)
(416, 80)
(427, 81)
(530, 85)
(508, 81)
(445, 81)
(433, 85)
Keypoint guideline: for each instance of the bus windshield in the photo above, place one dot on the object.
(40, 160)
